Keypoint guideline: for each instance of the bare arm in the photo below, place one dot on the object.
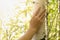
(34, 24)
(28, 35)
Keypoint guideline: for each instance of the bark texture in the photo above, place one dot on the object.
(41, 33)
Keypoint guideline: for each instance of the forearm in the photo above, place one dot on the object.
(34, 24)
(28, 35)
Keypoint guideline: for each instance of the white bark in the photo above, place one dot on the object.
(40, 34)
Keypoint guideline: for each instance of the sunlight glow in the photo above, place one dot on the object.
(7, 9)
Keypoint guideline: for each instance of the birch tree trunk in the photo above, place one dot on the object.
(41, 33)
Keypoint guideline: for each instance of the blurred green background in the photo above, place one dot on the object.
(19, 24)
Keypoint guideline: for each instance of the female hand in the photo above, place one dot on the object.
(37, 19)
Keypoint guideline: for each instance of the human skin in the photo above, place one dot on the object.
(35, 23)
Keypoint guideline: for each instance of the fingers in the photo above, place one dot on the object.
(42, 14)
(42, 19)
(37, 11)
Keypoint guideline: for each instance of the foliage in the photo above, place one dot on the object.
(53, 20)
(19, 24)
